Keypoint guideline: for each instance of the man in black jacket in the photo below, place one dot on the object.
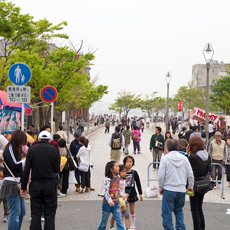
(43, 160)
(188, 133)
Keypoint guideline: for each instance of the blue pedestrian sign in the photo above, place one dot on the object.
(19, 74)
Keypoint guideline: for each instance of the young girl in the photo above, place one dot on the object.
(132, 177)
(167, 137)
(112, 193)
(124, 214)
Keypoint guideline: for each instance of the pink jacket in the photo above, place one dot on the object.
(138, 133)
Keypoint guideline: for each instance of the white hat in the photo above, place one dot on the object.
(44, 135)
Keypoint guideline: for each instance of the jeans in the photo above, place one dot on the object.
(157, 153)
(228, 172)
(107, 129)
(173, 202)
(126, 149)
(106, 210)
(136, 145)
(17, 212)
(197, 213)
(77, 176)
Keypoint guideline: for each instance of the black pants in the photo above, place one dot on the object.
(43, 193)
(65, 180)
(85, 179)
(196, 203)
(107, 129)
(77, 176)
(218, 168)
(228, 172)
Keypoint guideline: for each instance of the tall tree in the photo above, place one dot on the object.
(126, 101)
(221, 94)
(147, 104)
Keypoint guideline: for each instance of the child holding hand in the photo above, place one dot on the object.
(112, 193)
(125, 213)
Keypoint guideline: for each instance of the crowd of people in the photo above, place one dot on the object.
(42, 168)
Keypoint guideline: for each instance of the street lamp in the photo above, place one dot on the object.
(168, 78)
(208, 53)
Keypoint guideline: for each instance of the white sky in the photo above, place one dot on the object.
(140, 40)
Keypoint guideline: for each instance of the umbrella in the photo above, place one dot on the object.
(12, 106)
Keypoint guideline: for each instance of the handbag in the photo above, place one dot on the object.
(203, 184)
(83, 166)
(18, 183)
(128, 191)
(122, 204)
(70, 164)
(158, 144)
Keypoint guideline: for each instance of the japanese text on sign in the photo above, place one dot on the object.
(18, 94)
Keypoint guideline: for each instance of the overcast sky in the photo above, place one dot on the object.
(138, 41)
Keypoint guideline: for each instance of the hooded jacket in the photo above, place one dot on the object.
(85, 154)
(174, 172)
(200, 163)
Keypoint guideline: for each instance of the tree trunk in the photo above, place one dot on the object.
(67, 119)
(74, 120)
(41, 116)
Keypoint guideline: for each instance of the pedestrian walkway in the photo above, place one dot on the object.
(101, 155)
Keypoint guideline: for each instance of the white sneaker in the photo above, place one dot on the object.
(42, 219)
(214, 187)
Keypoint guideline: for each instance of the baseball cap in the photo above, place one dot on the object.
(44, 135)
(218, 133)
(77, 134)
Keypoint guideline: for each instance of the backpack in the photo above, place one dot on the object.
(116, 141)
(135, 137)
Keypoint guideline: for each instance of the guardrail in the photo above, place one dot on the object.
(216, 181)
(220, 181)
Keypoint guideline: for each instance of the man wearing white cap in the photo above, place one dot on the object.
(217, 151)
(43, 160)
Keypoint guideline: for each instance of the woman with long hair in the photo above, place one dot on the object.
(10, 188)
(167, 137)
(201, 165)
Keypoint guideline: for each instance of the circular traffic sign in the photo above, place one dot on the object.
(19, 74)
(48, 94)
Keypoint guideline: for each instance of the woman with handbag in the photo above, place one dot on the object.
(11, 187)
(84, 158)
(201, 165)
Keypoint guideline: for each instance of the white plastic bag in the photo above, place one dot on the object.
(72, 179)
(152, 192)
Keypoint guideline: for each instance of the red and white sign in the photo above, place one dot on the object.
(180, 106)
(200, 114)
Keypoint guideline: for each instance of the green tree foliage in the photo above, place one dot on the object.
(221, 94)
(147, 104)
(124, 102)
(27, 41)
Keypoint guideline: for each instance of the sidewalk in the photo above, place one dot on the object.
(101, 155)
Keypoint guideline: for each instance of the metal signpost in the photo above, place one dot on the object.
(49, 94)
(19, 74)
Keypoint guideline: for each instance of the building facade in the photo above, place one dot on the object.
(199, 73)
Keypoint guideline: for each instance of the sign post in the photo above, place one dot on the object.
(19, 74)
(49, 94)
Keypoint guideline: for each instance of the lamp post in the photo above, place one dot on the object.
(208, 53)
(168, 78)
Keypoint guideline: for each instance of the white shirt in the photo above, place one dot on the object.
(210, 128)
(85, 154)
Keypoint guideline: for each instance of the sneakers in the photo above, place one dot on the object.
(132, 228)
(77, 188)
(5, 220)
(82, 191)
(87, 190)
(112, 228)
(59, 195)
(42, 219)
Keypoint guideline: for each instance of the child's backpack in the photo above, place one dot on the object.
(135, 137)
(116, 141)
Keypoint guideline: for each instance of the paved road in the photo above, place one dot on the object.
(84, 210)
(85, 215)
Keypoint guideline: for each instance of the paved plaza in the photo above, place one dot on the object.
(83, 211)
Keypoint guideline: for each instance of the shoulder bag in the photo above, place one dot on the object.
(84, 166)
(18, 183)
(203, 184)
(70, 164)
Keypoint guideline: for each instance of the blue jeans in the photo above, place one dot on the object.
(17, 212)
(106, 210)
(136, 145)
(173, 202)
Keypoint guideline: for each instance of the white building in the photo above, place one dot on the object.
(199, 73)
